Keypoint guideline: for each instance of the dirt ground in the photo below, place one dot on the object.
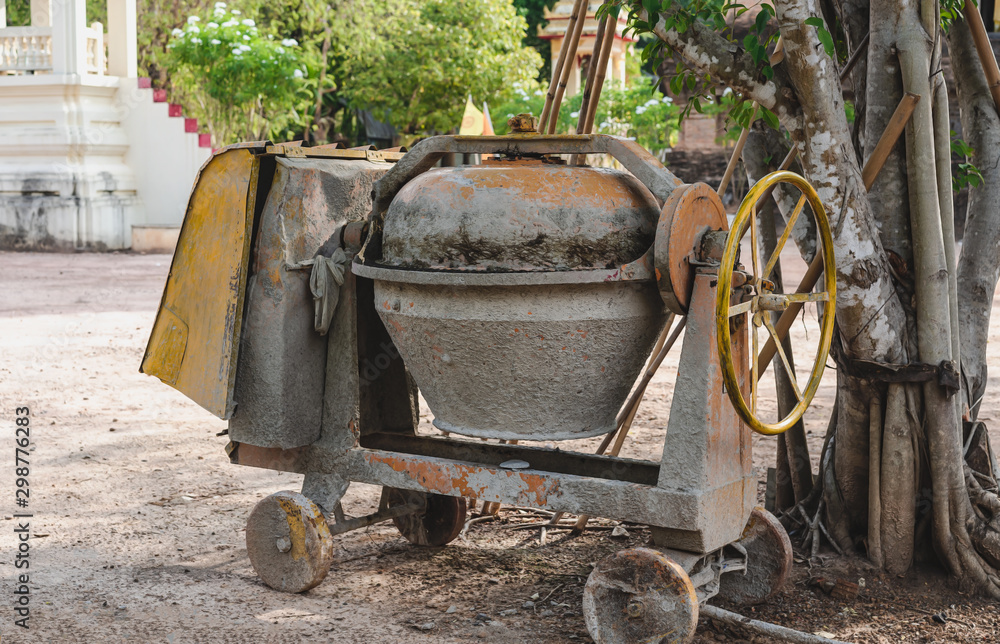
(138, 526)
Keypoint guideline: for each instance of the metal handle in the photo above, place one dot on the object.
(424, 155)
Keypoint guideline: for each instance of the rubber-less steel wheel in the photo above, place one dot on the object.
(440, 522)
(769, 561)
(639, 595)
(289, 542)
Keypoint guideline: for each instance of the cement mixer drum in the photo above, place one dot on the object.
(499, 286)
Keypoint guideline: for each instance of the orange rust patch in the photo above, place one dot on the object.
(385, 305)
(455, 479)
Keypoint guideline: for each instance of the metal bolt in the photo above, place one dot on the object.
(523, 124)
(284, 544)
(634, 609)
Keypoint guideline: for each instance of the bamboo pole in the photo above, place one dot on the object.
(737, 153)
(888, 139)
(588, 89)
(855, 57)
(772, 632)
(602, 71)
(633, 405)
(983, 48)
(874, 165)
(592, 90)
(571, 42)
(560, 62)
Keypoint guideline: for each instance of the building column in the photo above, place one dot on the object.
(122, 51)
(573, 82)
(41, 13)
(69, 42)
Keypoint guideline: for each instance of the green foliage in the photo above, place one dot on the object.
(429, 58)
(244, 81)
(681, 15)
(951, 10)
(533, 12)
(639, 112)
(968, 174)
(155, 20)
(19, 12)
(825, 38)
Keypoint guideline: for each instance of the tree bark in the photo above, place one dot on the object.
(979, 264)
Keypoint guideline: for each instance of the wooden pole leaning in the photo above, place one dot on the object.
(571, 43)
(560, 63)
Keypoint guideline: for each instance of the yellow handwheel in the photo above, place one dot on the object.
(758, 298)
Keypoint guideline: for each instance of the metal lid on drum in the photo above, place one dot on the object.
(519, 216)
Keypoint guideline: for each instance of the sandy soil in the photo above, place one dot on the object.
(139, 517)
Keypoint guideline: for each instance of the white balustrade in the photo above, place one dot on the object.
(29, 49)
(25, 49)
(97, 58)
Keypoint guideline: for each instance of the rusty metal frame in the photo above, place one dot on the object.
(699, 510)
(575, 493)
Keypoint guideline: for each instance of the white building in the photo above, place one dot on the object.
(555, 32)
(90, 157)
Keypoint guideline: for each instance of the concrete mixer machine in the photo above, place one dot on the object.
(315, 291)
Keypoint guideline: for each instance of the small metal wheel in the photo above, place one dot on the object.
(759, 299)
(639, 595)
(769, 561)
(438, 524)
(289, 542)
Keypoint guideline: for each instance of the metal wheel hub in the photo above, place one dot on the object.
(639, 595)
(289, 542)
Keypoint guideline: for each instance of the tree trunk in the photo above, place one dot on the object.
(979, 264)
(901, 298)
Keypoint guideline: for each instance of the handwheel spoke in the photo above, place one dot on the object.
(807, 297)
(781, 353)
(753, 249)
(739, 309)
(784, 237)
(753, 366)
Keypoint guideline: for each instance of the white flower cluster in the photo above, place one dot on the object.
(651, 103)
(519, 90)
